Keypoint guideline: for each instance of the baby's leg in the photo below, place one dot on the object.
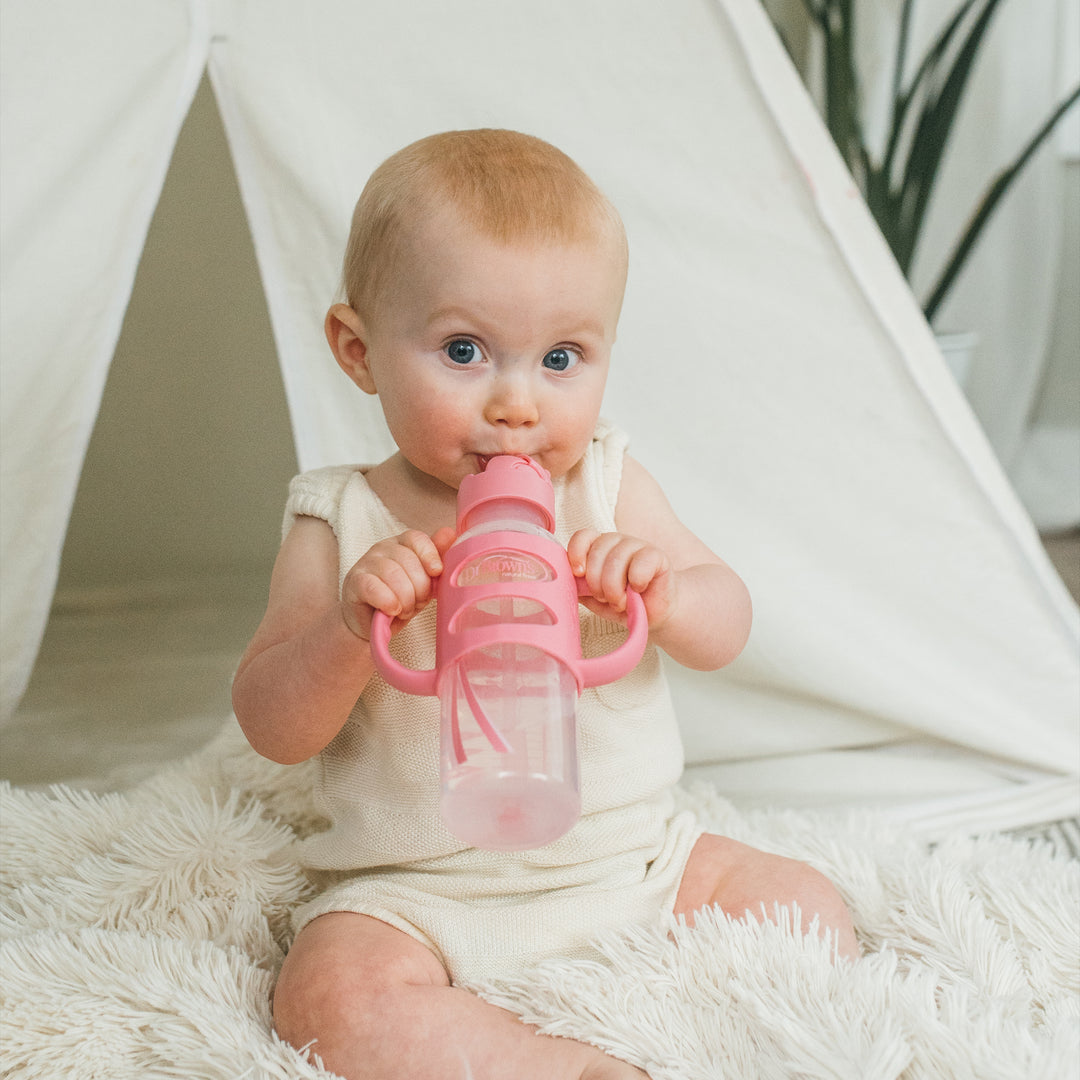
(378, 1005)
(739, 878)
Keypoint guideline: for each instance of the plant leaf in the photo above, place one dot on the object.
(921, 81)
(816, 10)
(901, 47)
(986, 205)
(842, 111)
(932, 136)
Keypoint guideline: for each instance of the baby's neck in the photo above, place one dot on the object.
(414, 498)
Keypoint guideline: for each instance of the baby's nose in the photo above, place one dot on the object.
(511, 403)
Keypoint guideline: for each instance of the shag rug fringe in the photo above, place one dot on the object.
(142, 933)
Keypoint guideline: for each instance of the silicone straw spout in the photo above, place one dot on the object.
(507, 478)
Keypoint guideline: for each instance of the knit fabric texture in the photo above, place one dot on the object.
(386, 852)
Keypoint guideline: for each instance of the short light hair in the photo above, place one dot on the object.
(509, 186)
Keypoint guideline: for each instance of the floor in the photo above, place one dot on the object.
(122, 687)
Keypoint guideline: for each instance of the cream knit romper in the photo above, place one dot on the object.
(386, 852)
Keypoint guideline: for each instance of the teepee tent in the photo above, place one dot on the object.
(772, 367)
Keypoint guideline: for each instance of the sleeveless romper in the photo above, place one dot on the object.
(387, 854)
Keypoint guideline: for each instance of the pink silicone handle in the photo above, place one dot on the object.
(421, 683)
(593, 672)
(622, 660)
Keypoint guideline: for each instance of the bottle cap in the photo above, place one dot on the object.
(511, 477)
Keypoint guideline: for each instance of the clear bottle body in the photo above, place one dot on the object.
(523, 793)
(508, 729)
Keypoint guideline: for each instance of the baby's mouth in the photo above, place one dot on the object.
(483, 460)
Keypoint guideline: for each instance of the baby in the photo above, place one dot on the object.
(484, 278)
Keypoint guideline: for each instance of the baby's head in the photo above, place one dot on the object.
(485, 275)
(509, 187)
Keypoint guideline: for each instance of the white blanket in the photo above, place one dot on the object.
(143, 931)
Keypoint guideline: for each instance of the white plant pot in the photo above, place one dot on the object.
(958, 349)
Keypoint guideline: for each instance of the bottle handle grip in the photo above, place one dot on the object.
(592, 672)
(599, 670)
(420, 683)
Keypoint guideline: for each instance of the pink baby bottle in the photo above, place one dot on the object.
(508, 663)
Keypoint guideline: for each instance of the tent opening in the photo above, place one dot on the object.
(176, 520)
(184, 478)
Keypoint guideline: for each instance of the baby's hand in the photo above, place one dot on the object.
(611, 563)
(395, 577)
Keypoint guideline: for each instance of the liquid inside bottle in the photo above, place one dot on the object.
(509, 746)
(509, 768)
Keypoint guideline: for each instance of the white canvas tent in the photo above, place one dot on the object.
(772, 367)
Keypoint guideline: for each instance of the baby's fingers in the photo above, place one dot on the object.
(393, 577)
(397, 583)
(367, 591)
(612, 563)
(646, 565)
(426, 549)
(407, 564)
(577, 550)
(618, 554)
(604, 566)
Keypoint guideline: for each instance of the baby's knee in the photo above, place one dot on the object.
(338, 1014)
(312, 1002)
(819, 899)
(340, 989)
(813, 891)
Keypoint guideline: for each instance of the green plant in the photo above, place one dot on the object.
(898, 184)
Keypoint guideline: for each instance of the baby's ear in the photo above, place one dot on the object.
(347, 338)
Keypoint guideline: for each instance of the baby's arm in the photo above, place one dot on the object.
(309, 659)
(698, 608)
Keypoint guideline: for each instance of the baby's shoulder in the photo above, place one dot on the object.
(318, 493)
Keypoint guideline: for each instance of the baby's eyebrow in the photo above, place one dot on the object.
(581, 328)
(587, 328)
(451, 313)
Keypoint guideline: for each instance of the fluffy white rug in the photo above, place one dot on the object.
(142, 933)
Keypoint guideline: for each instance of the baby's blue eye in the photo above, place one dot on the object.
(462, 351)
(560, 359)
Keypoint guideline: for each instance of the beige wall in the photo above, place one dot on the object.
(187, 467)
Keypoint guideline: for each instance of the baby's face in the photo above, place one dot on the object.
(486, 348)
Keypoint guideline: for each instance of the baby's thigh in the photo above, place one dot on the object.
(339, 968)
